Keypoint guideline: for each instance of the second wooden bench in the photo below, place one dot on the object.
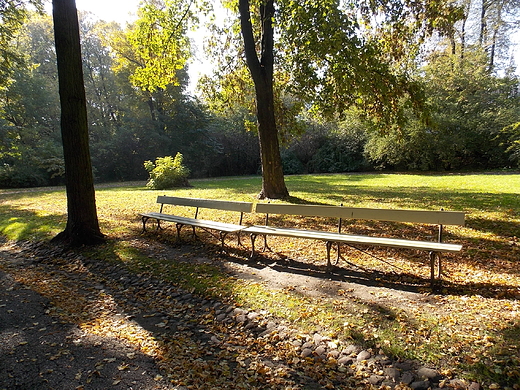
(434, 248)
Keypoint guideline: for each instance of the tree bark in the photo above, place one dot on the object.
(82, 222)
(261, 69)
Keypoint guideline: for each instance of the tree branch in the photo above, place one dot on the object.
(249, 41)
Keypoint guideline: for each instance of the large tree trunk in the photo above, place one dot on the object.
(82, 222)
(273, 183)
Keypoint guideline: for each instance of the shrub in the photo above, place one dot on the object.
(291, 164)
(512, 135)
(167, 172)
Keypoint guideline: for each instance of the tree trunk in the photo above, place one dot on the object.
(273, 183)
(82, 222)
(463, 39)
(483, 23)
(494, 42)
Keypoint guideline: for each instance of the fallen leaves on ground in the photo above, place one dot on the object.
(473, 327)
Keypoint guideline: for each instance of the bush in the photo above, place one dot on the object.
(291, 164)
(18, 176)
(167, 172)
(512, 136)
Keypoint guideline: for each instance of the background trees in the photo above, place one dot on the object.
(329, 114)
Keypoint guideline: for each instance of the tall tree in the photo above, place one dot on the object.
(498, 19)
(332, 55)
(261, 68)
(82, 222)
(155, 48)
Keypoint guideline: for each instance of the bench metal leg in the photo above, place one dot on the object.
(144, 219)
(266, 247)
(253, 239)
(179, 227)
(159, 227)
(434, 255)
(329, 247)
(222, 236)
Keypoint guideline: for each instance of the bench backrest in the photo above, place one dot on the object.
(393, 215)
(242, 207)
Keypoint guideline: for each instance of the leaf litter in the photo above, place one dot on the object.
(197, 352)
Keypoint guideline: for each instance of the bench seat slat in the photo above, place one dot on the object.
(221, 226)
(353, 239)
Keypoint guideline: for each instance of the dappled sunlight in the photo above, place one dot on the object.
(22, 223)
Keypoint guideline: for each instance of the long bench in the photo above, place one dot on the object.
(222, 228)
(440, 218)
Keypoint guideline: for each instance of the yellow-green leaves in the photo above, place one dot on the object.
(156, 46)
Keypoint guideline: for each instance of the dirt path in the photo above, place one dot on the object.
(41, 351)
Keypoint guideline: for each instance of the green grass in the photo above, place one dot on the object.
(41, 213)
(476, 325)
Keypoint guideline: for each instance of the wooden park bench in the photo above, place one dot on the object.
(434, 248)
(222, 228)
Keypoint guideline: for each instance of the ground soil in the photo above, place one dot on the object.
(41, 350)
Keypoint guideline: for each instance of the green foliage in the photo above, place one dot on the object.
(327, 147)
(291, 164)
(167, 172)
(474, 111)
(157, 45)
(30, 142)
(511, 134)
(469, 107)
(13, 14)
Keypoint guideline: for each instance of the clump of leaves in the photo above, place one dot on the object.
(167, 172)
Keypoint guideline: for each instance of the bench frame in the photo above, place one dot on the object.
(223, 228)
(435, 248)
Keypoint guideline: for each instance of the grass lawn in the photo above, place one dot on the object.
(472, 327)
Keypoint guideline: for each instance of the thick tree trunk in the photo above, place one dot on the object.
(273, 183)
(82, 222)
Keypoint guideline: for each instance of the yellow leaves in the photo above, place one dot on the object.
(153, 49)
(123, 367)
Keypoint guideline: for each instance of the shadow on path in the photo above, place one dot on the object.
(39, 351)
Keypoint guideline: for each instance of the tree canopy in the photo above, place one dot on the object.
(13, 14)
(353, 94)
(334, 55)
